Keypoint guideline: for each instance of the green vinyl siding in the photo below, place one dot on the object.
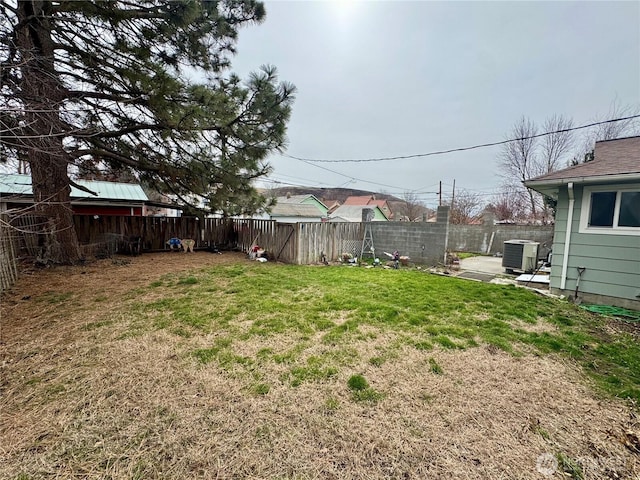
(379, 214)
(612, 262)
(311, 200)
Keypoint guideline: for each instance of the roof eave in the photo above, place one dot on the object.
(546, 186)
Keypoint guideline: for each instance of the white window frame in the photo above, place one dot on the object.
(585, 211)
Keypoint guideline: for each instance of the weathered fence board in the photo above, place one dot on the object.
(155, 231)
(8, 254)
(330, 239)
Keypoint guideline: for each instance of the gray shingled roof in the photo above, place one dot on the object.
(296, 210)
(293, 199)
(611, 158)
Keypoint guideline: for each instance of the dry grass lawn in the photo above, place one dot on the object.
(81, 399)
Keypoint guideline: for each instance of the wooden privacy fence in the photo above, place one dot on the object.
(300, 243)
(330, 239)
(154, 231)
(207, 232)
(278, 239)
(8, 254)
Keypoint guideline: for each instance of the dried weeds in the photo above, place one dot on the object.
(78, 399)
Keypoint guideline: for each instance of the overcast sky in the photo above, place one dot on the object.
(390, 78)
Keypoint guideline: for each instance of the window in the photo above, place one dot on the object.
(629, 209)
(603, 206)
(612, 210)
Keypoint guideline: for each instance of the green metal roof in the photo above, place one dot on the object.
(15, 184)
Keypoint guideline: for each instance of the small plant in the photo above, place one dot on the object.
(423, 345)
(446, 342)
(188, 281)
(314, 371)
(536, 427)
(569, 466)
(435, 367)
(331, 404)
(261, 389)
(376, 361)
(357, 383)
(361, 391)
(367, 395)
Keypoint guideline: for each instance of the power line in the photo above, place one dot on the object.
(346, 176)
(461, 149)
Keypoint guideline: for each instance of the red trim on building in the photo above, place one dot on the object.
(106, 210)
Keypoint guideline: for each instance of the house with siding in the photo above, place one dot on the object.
(298, 208)
(303, 200)
(353, 213)
(596, 244)
(295, 213)
(370, 201)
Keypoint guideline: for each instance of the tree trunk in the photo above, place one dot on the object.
(51, 191)
(534, 211)
(42, 93)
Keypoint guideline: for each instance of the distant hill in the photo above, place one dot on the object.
(323, 194)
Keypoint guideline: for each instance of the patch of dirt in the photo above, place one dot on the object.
(87, 403)
(630, 327)
(93, 286)
(540, 326)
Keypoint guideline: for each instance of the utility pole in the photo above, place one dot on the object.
(440, 194)
(453, 195)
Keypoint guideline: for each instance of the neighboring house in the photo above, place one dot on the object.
(331, 205)
(597, 226)
(370, 200)
(303, 200)
(296, 212)
(353, 213)
(297, 208)
(113, 198)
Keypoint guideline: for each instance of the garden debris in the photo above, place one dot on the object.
(632, 441)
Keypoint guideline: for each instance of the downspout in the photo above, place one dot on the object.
(567, 238)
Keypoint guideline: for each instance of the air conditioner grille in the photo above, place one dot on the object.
(512, 255)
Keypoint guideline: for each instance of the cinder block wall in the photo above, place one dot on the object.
(424, 242)
(477, 238)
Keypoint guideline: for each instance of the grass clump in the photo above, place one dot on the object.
(435, 367)
(357, 383)
(219, 348)
(188, 281)
(361, 391)
(261, 389)
(368, 395)
(376, 361)
(331, 405)
(315, 370)
(569, 466)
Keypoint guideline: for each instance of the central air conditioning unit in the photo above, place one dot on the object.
(520, 255)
